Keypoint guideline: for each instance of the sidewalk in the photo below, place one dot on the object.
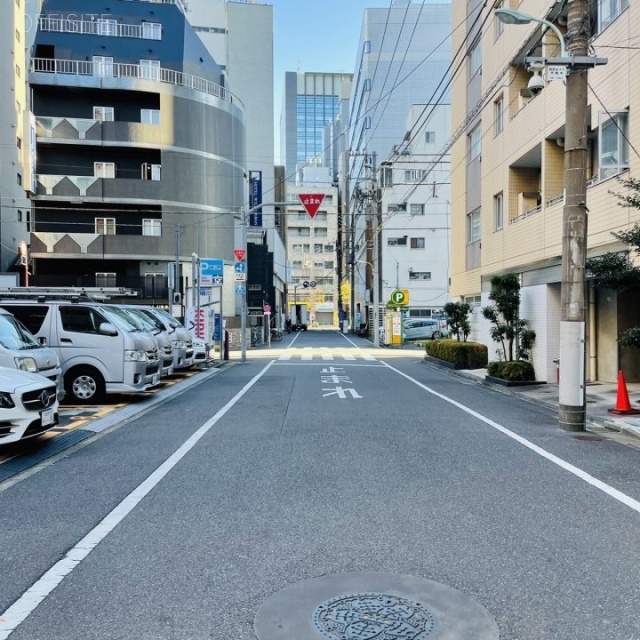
(600, 398)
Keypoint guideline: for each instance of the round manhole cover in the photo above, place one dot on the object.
(373, 615)
(372, 606)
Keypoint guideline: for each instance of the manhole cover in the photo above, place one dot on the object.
(373, 615)
(372, 606)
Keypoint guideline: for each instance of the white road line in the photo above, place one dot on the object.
(327, 356)
(20, 610)
(286, 356)
(628, 501)
(306, 357)
(370, 358)
(348, 356)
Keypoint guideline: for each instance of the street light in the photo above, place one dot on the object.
(512, 16)
(572, 388)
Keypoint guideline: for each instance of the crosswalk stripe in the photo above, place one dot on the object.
(370, 358)
(327, 356)
(348, 356)
(286, 356)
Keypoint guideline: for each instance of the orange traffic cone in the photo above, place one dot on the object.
(623, 407)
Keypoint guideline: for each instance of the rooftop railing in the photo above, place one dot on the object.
(100, 27)
(106, 69)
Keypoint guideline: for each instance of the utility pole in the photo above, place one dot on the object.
(373, 197)
(572, 389)
(576, 61)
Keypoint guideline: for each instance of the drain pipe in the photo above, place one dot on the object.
(593, 335)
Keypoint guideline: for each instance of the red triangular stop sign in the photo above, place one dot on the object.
(311, 202)
(239, 254)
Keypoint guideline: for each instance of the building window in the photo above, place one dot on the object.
(367, 85)
(417, 243)
(415, 175)
(151, 171)
(150, 116)
(151, 227)
(19, 215)
(104, 169)
(152, 30)
(386, 177)
(297, 264)
(106, 226)
(499, 25)
(416, 209)
(614, 144)
(475, 142)
(19, 178)
(498, 115)
(317, 248)
(609, 10)
(18, 37)
(473, 226)
(397, 242)
(18, 72)
(419, 275)
(301, 232)
(475, 58)
(320, 232)
(498, 210)
(329, 248)
(154, 285)
(366, 47)
(105, 114)
(105, 280)
(102, 66)
(150, 69)
(19, 142)
(429, 137)
(107, 27)
(328, 199)
(328, 264)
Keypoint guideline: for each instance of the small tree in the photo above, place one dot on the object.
(508, 330)
(615, 270)
(457, 319)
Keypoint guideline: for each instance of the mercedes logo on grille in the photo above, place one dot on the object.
(47, 398)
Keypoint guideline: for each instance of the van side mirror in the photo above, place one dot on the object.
(107, 329)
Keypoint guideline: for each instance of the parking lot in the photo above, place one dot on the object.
(77, 416)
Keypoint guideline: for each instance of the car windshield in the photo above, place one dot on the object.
(14, 335)
(167, 317)
(141, 320)
(121, 319)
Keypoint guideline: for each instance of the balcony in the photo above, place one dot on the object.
(94, 73)
(96, 131)
(91, 187)
(99, 27)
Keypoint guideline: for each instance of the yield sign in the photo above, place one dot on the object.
(239, 254)
(311, 202)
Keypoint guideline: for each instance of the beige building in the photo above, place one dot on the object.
(508, 171)
(311, 253)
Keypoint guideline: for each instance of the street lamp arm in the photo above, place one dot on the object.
(512, 16)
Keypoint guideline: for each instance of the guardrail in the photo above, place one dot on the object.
(105, 69)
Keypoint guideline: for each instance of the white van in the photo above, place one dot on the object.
(181, 338)
(19, 349)
(99, 352)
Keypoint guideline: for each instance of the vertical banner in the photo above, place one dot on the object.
(255, 198)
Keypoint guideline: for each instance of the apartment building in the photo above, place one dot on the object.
(311, 248)
(140, 147)
(415, 202)
(15, 127)
(508, 171)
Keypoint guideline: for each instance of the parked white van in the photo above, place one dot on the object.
(28, 405)
(99, 352)
(19, 349)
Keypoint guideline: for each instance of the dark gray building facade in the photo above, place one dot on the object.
(140, 156)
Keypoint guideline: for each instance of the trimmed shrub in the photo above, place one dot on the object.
(518, 371)
(465, 355)
(494, 369)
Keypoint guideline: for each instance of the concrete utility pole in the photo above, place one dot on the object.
(572, 392)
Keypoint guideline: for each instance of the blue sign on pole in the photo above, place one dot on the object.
(216, 326)
(240, 267)
(255, 198)
(211, 272)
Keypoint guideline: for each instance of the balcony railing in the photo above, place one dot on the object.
(98, 28)
(179, 3)
(105, 69)
(527, 214)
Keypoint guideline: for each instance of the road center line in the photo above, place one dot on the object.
(583, 475)
(20, 610)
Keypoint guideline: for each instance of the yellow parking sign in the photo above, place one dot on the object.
(400, 296)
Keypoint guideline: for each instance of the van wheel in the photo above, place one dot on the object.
(84, 385)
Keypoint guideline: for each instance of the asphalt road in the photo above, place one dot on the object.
(322, 456)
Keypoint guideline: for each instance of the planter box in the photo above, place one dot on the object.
(512, 383)
(443, 363)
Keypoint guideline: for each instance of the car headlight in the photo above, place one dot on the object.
(6, 402)
(179, 344)
(135, 355)
(26, 364)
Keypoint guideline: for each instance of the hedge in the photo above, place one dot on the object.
(465, 355)
(514, 371)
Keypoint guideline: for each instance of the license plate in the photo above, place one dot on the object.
(48, 417)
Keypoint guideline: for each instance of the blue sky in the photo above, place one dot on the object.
(316, 35)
